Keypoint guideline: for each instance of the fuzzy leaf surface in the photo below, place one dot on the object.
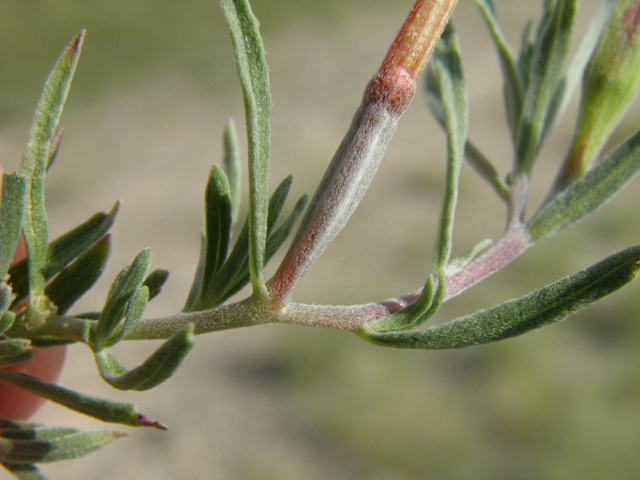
(14, 189)
(64, 249)
(37, 157)
(254, 79)
(79, 276)
(161, 365)
(589, 192)
(543, 307)
(98, 408)
(53, 448)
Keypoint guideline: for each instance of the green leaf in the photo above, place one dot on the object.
(512, 85)
(64, 249)
(234, 274)
(75, 242)
(275, 240)
(483, 166)
(63, 447)
(576, 67)
(195, 292)
(446, 66)
(215, 238)
(589, 192)
(413, 314)
(38, 155)
(232, 167)
(6, 321)
(54, 148)
(14, 189)
(135, 309)
(543, 307)
(218, 226)
(525, 57)
(121, 292)
(161, 365)
(154, 282)
(99, 408)
(611, 83)
(254, 78)
(544, 77)
(78, 277)
(15, 350)
(277, 236)
(25, 471)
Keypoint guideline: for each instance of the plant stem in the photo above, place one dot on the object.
(251, 312)
(350, 172)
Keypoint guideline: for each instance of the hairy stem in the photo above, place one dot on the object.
(250, 312)
(349, 174)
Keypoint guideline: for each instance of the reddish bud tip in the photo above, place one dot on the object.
(631, 20)
(395, 82)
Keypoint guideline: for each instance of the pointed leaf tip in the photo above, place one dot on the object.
(145, 421)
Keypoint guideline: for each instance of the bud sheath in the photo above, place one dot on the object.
(349, 174)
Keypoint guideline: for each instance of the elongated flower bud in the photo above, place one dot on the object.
(610, 85)
(350, 172)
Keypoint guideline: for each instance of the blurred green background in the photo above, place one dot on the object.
(155, 85)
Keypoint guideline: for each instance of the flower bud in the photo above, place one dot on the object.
(610, 85)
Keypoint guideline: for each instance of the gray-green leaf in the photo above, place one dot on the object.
(543, 307)
(254, 78)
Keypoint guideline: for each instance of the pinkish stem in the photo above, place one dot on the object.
(350, 172)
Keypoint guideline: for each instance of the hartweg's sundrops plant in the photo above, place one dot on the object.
(38, 291)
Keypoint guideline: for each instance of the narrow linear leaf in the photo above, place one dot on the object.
(578, 63)
(161, 365)
(483, 166)
(135, 309)
(589, 192)
(64, 249)
(231, 165)
(544, 77)
(121, 292)
(254, 78)
(37, 156)
(78, 277)
(277, 201)
(21, 430)
(195, 292)
(14, 189)
(155, 281)
(462, 261)
(275, 240)
(15, 350)
(54, 148)
(72, 244)
(279, 235)
(446, 66)
(99, 408)
(234, 274)
(218, 222)
(66, 447)
(512, 86)
(543, 307)
(6, 321)
(525, 57)
(410, 316)
(25, 471)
